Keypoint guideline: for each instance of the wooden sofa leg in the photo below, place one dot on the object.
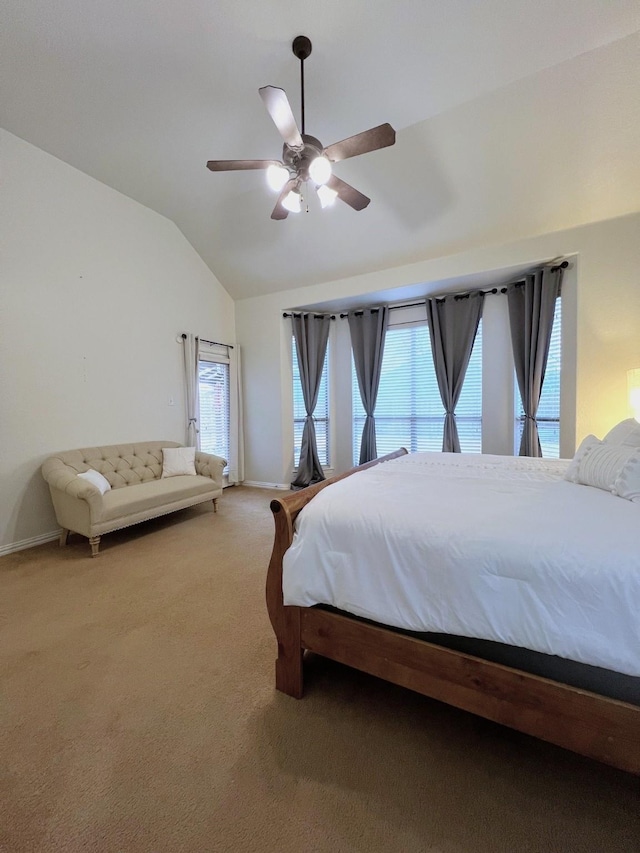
(64, 535)
(215, 504)
(94, 541)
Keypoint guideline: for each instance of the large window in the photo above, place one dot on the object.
(548, 416)
(213, 388)
(409, 411)
(320, 415)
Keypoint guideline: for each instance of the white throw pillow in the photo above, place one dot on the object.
(627, 432)
(586, 446)
(627, 484)
(97, 479)
(602, 465)
(178, 460)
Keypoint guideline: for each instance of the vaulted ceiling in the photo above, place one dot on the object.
(507, 112)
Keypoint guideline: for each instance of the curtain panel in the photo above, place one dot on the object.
(236, 418)
(453, 324)
(531, 311)
(311, 333)
(190, 349)
(368, 329)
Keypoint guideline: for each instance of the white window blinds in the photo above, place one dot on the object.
(409, 411)
(548, 416)
(320, 415)
(213, 388)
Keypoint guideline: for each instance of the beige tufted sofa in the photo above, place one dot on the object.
(137, 492)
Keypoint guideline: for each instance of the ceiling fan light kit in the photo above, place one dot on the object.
(292, 201)
(304, 158)
(326, 195)
(320, 170)
(277, 177)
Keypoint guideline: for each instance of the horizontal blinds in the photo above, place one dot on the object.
(320, 415)
(469, 407)
(548, 416)
(213, 389)
(409, 411)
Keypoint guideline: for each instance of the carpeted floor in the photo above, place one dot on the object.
(137, 713)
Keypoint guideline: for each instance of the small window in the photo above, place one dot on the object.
(213, 389)
(320, 415)
(548, 416)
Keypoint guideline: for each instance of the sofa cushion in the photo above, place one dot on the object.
(154, 493)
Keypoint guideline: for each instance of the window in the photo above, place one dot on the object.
(409, 411)
(548, 416)
(320, 415)
(213, 389)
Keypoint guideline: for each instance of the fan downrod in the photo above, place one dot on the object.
(301, 47)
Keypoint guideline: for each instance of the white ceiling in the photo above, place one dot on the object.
(141, 93)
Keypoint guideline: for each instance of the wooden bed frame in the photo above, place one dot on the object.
(587, 723)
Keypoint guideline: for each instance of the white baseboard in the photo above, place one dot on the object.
(259, 485)
(23, 544)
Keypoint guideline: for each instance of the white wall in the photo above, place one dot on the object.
(94, 288)
(601, 325)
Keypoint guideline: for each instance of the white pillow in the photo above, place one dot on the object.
(178, 460)
(627, 483)
(602, 465)
(586, 446)
(97, 479)
(627, 432)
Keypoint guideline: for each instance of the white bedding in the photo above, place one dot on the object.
(492, 547)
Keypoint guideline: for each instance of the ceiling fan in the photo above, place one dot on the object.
(304, 159)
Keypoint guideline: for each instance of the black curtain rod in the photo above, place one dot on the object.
(211, 343)
(458, 296)
(303, 313)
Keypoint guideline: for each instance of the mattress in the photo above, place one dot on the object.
(489, 547)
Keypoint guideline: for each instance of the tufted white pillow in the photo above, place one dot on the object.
(178, 460)
(97, 479)
(586, 446)
(627, 432)
(627, 483)
(602, 465)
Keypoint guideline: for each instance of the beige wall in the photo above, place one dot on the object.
(94, 288)
(601, 331)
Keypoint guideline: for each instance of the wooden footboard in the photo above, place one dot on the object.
(587, 723)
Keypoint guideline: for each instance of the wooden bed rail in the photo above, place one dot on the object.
(587, 723)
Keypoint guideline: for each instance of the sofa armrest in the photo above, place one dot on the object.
(65, 479)
(209, 465)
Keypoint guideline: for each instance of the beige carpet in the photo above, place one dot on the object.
(138, 714)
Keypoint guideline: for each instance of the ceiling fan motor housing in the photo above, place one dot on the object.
(298, 161)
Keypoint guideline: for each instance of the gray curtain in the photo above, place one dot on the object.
(531, 310)
(311, 333)
(368, 329)
(453, 323)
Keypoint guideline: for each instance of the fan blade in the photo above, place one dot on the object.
(362, 143)
(350, 195)
(278, 107)
(280, 212)
(231, 165)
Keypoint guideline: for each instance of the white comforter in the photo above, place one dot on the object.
(493, 547)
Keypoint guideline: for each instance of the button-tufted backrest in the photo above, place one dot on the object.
(121, 464)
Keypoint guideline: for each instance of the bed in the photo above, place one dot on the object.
(489, 583)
